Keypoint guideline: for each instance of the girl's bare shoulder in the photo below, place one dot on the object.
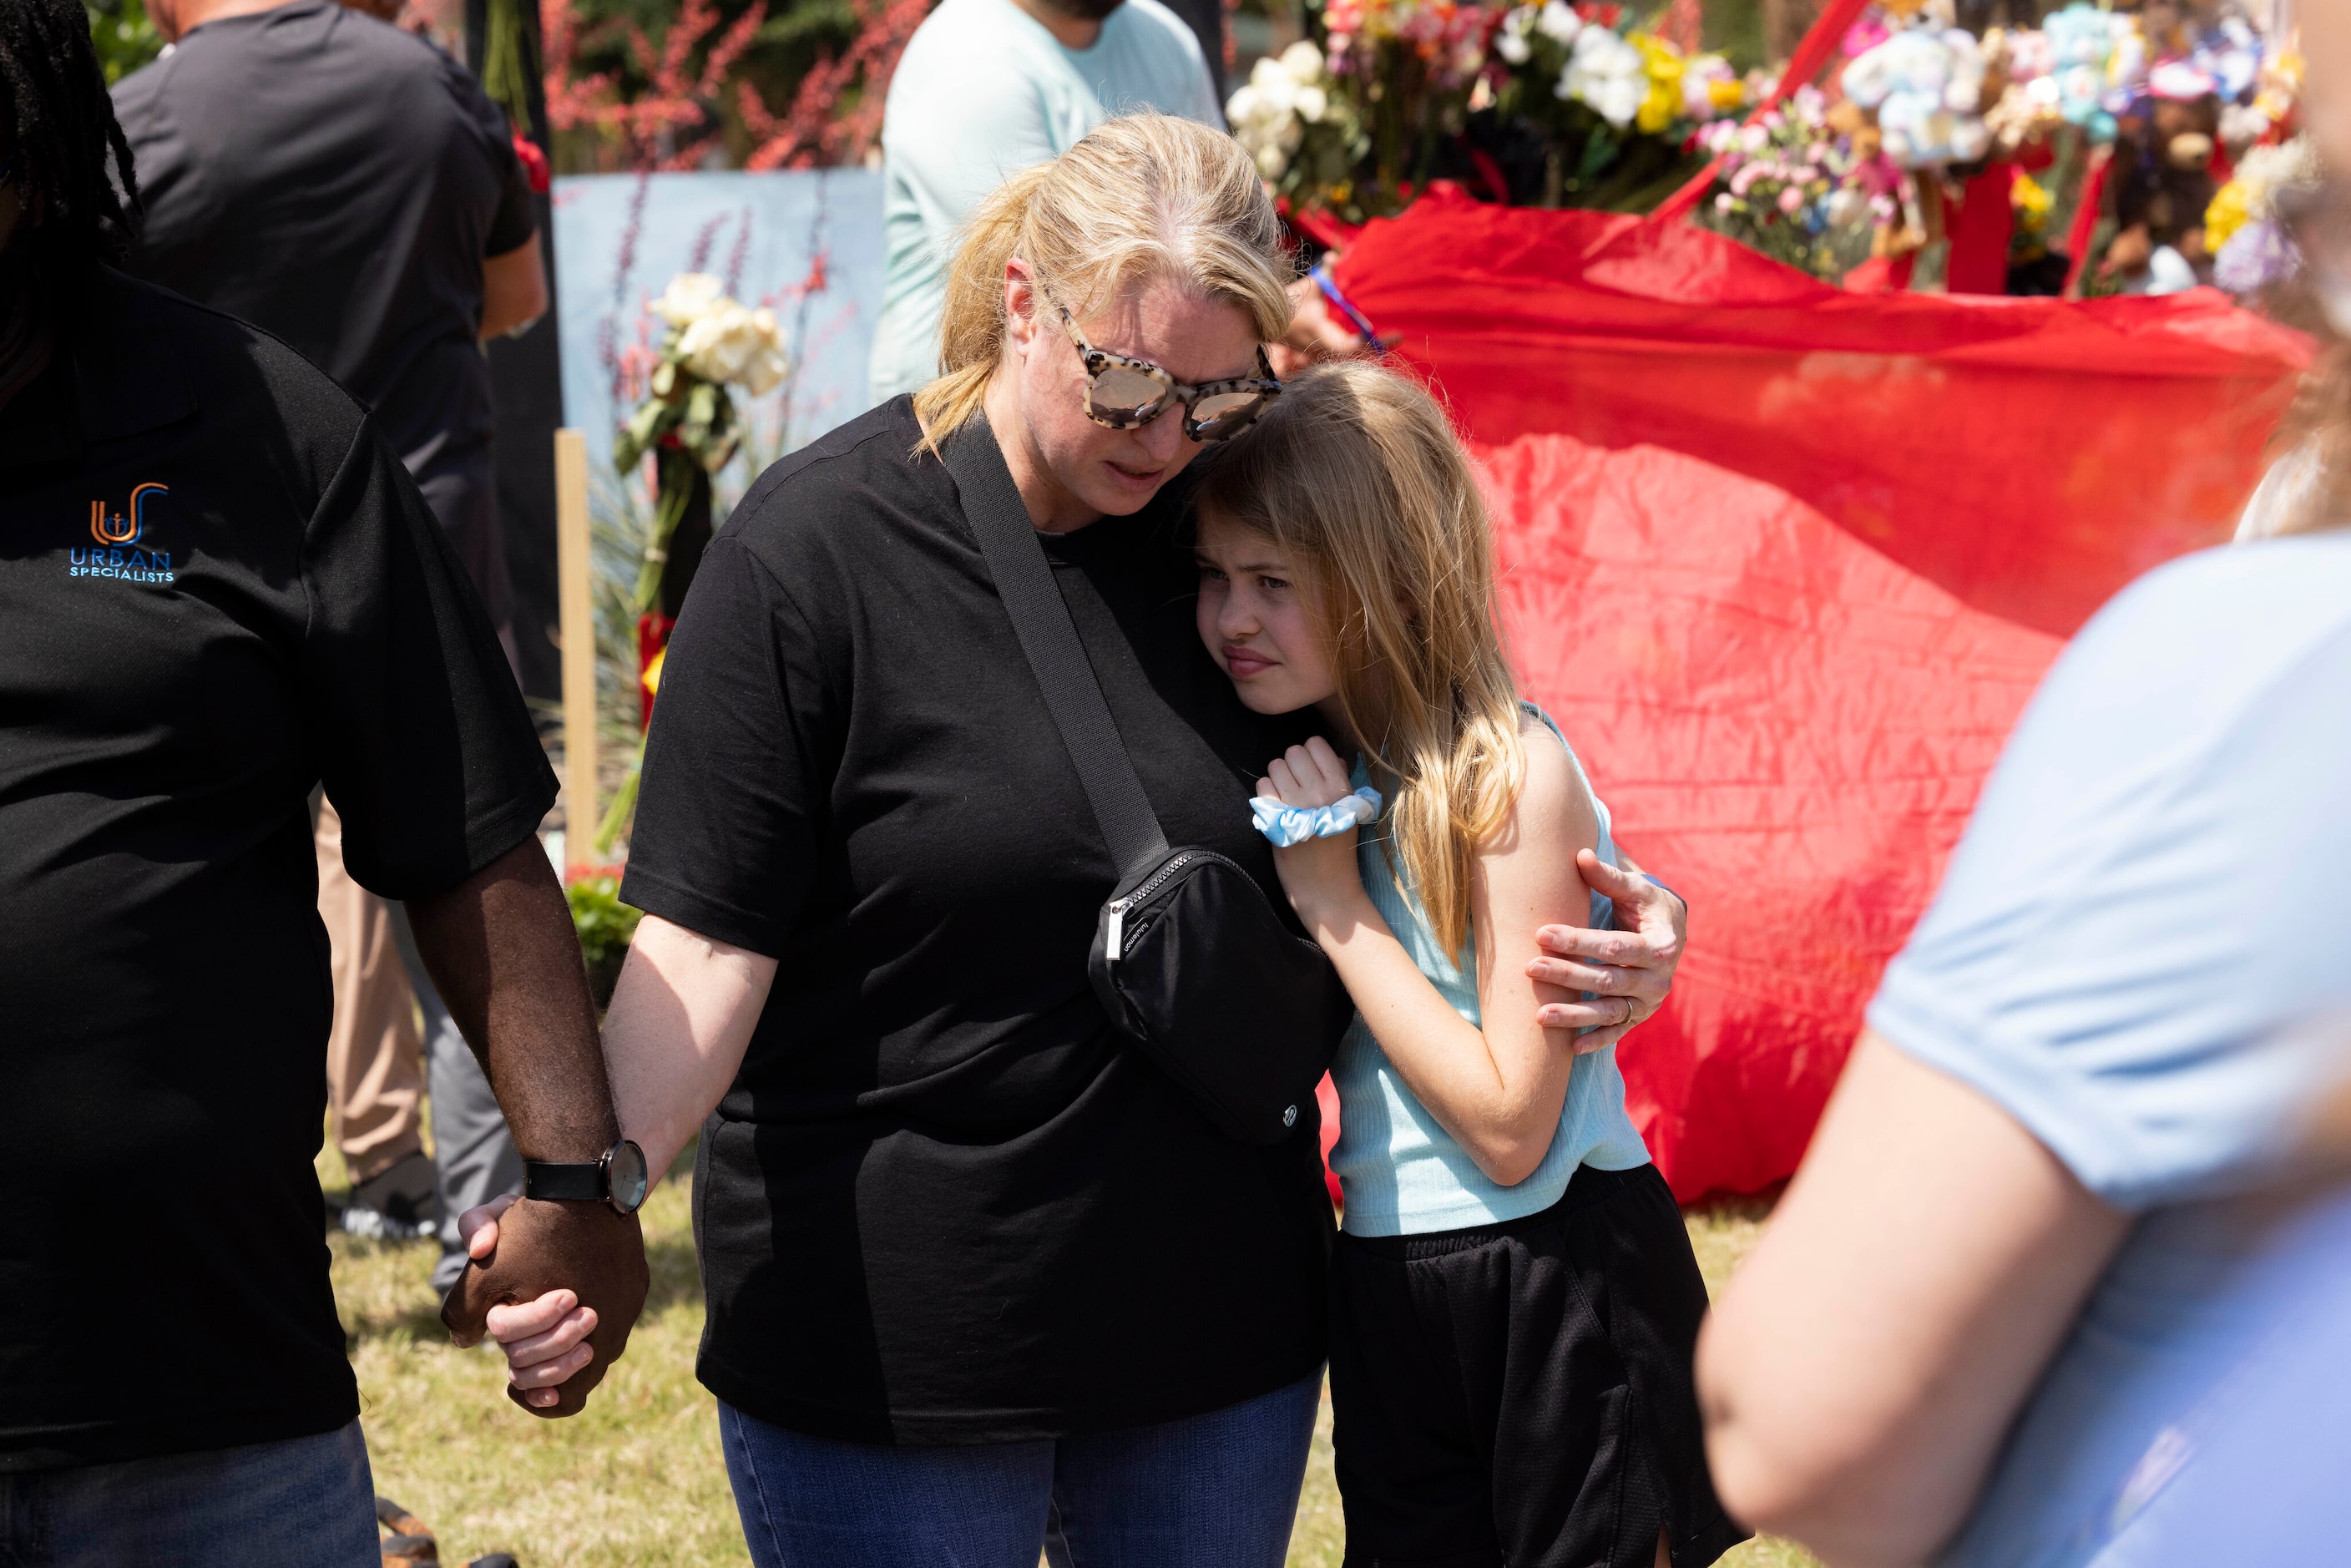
(1554, 808)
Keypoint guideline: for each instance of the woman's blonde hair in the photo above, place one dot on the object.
(2316, 438)
(1141, 196)
(1355, 473)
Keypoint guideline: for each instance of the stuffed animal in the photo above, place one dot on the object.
(2080, 60)
(1926, 85)
(2231, 53)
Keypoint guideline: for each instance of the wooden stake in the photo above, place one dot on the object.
(571, 572)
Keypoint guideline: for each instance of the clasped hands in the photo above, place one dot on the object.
(559, 1338)
(1629, 970)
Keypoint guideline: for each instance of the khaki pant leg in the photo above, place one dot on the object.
(375, 1064)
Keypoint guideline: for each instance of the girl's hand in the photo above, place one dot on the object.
(1320, 874)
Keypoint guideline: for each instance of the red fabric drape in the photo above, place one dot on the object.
(1786, 563)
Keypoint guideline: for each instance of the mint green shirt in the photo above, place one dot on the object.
(983, 89)
(1401, 1171)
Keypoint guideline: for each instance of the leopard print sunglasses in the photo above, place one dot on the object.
(1127, 394)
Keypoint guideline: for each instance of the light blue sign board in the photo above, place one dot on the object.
(806, 243)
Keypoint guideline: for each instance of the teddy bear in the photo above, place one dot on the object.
(2081, 54)
(1926, 85)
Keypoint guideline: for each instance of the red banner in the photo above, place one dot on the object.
(1786, 563)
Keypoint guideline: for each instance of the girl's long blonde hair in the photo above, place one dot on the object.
(1355, 473)
(1141, 196)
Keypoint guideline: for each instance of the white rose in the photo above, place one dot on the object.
(1241, 108)
(1620, 101)
(1607, 73)
(1303, 61)
(690, 296)
(721, 346)
(768, 365)
(1312, 104)
(1277, 90)
(1558, 21)
(1271, 161)
(1512, 47)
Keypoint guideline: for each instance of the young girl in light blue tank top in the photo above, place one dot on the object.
(1514, 1299)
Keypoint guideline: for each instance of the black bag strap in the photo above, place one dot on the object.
(1024, 581)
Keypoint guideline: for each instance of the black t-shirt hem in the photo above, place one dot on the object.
(28, 1449)
(900, 1426)
(502, 830)
(499, 244)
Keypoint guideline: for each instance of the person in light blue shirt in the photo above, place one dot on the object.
(2008, 1264)
(1513, 1296)
(986, 87)
(2247, 1465)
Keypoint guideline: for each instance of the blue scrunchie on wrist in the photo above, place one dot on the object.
(1287, 825)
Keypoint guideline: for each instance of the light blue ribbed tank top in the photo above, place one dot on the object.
(1401, 1171)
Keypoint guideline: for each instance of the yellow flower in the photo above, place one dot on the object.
(2229, 212)
(2031, 200)
(1726, 95)
(1665, 65)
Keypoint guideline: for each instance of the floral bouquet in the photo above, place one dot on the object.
(1610, 112)
(1403, 71)
(1302, 129)
(1795, 187)
(687, 420)
(687, 424)
(1549, 103)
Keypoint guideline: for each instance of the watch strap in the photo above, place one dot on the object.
(548, 1181)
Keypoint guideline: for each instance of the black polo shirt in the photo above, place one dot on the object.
(217, 589)
(338, 181)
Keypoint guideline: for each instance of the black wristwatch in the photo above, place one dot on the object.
(619, 1178)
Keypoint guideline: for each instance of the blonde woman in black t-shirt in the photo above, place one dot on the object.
(976, 1270)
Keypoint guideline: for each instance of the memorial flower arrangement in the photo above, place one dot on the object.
(1798, 187)
(1558, 103)
(687, 421)
(1548, 104)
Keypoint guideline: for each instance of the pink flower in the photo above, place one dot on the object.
(1792, 201)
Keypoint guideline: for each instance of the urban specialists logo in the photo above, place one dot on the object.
(122, 551)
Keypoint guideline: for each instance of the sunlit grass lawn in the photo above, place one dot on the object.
(636, 1481)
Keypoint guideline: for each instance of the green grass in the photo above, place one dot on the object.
(637, 1479)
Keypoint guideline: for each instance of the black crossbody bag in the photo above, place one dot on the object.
(1189, 957)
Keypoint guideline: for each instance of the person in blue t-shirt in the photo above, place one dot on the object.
(987, 87)
(2055, 1286)
(2009, 1263)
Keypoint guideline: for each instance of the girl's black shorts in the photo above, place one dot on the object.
(1521, 1393)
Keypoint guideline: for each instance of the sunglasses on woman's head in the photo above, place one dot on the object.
(1127, 394)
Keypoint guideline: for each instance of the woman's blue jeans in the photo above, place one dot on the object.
(1218, 1491)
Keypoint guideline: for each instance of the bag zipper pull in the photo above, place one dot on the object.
(1113, 937)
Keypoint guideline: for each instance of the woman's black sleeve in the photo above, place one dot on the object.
(735, 782)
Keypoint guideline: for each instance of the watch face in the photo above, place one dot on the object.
(626, 1176)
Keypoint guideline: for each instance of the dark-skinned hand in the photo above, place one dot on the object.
(538, 1251)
